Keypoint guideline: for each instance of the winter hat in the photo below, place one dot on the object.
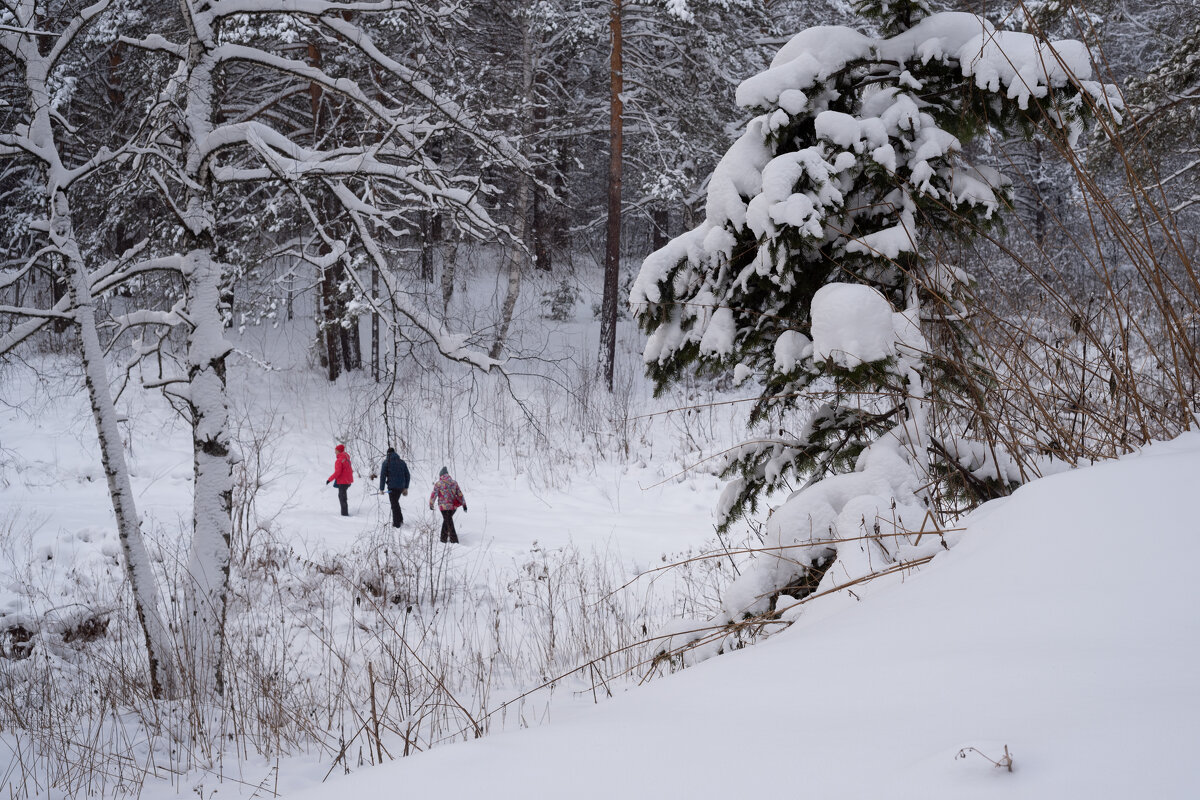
(391, 449)
(443, 472)
(341, 448)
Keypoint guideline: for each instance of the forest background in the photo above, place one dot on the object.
(440, 211)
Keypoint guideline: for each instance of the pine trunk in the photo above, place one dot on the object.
(612, 245)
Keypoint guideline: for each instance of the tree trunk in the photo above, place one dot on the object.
(425, 219)
(350, 336)
(116, 95)
(327, 323)
(543, 252)
(612, 246)
(208, 565)
(660, 220)
(522, 209)
(449, 262)
(516, 265)
(430, 222)
(136, 560)
(541, 232)
(206, 592)
(374, 323)
(340, 347)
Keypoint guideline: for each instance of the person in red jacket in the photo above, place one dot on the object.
(342, 477)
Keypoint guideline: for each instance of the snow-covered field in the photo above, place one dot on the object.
(1063, 626)
(1064, 631)
(565, 508)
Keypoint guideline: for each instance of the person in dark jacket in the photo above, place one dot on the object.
(449, 498)
(342, 477)
(393, 476)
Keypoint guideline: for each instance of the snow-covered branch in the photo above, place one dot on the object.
(462, 121)
(156, 43)
(453, 346)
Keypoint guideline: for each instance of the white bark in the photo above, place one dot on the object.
(163, 675)
(516, 255)
(208, 565)
(39, 141)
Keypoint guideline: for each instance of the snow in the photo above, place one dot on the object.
(1023, 63)
(778, 203)
(936, 37)
(852, 325)
(976, 185)
(719, 333)
(1011, 60)
(1031, 634)
(889, 242)
(738, 175)
(791, 348)
(811, 55)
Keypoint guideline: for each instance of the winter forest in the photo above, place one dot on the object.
(790, 398)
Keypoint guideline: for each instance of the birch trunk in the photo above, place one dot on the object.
(208, 565)
(135, 558)
(374, 323)
(516, 255)
(163, 677)
(212, 519)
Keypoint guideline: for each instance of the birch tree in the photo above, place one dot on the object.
(202, 146)
(383, 174)
(34, 137)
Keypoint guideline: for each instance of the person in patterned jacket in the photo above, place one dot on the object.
(449, 497)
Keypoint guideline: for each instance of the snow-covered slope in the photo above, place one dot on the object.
(1065, 626)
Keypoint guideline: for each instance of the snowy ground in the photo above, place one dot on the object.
(1065, 626)
(584, 507)
(51, 478)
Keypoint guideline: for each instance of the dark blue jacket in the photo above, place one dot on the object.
(393, 476)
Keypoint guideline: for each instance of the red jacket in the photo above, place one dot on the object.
(342, 471)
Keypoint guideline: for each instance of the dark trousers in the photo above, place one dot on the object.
(342, 487)
(448, 531)
(397, 514)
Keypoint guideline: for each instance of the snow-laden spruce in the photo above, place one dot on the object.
(819, 271)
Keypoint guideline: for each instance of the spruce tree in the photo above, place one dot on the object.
(853, 171)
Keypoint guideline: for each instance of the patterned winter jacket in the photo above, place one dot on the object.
(447, 494)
